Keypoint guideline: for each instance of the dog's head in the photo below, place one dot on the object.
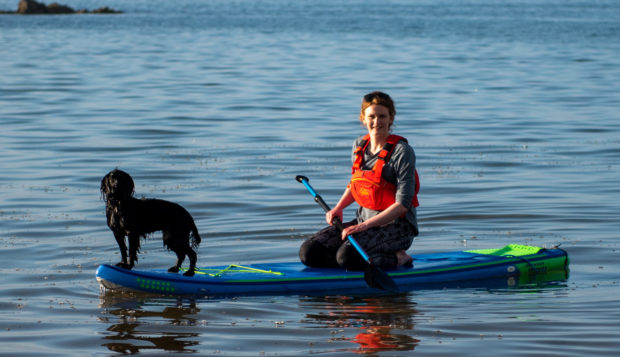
(117, 184)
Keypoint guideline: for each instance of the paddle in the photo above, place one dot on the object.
(375, 277)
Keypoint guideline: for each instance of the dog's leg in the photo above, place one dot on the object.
(180, 258)
(192, 262)
(120, 240)
(134, 247)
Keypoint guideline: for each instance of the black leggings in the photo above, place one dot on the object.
(326, 249)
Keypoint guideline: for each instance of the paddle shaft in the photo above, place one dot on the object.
(375, 277)
(318, 199)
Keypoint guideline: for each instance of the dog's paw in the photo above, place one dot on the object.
(124, 265)
(174, 269)
(189, 273)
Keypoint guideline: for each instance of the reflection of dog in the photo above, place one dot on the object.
(134, 218)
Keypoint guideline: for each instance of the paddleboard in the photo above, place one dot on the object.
(507, 266)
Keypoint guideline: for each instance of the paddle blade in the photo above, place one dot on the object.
(377, 278)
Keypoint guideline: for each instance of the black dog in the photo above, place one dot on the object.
(136, 218)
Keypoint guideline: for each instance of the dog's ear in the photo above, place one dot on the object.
(125, 183)
(104, 187)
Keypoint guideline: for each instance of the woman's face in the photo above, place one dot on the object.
(377, 120)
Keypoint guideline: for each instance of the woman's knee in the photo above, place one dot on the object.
(349, 258)
(315, 254)
(305, 251)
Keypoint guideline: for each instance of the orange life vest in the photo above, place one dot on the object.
(368, 187)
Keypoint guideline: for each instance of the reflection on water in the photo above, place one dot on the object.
(142, 324)
(548, 279)
(384, 323)
(370, 324)
(134, 328)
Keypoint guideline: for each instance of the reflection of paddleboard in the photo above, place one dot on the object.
(511, 264)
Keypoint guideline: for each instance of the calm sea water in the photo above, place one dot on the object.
(512, 107)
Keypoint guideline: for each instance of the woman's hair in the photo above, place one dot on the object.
(378, 98)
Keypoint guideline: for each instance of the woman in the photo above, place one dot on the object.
(385, 184)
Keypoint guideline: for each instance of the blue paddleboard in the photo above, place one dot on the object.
(512, 263)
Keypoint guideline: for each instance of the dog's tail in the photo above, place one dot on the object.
(195, 237)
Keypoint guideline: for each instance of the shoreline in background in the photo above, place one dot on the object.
(32, 7)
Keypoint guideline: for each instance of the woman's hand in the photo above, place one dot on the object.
(336, 212)
(390, 214)
(352, 230)
(333, 214)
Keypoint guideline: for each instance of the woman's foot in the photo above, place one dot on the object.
(404, 259)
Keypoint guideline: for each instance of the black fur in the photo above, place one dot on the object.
(137, 218)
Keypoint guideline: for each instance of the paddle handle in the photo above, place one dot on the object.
(318, 199)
